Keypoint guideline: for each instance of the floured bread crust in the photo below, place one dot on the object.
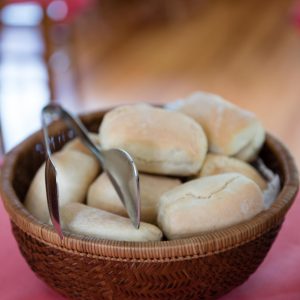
(93, 222)
(160, 141)
(102, 195)
(215, 164)
(250, 151)
(76, 144)
(207, 204)
(229, 129)
(75, 172)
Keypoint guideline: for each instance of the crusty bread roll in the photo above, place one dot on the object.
(229, 129)
(75, 172)
(76, 144)
(215, 164)
(208, 204)
(160, 141)
(93, 222)
(102, 195)
(249, 152)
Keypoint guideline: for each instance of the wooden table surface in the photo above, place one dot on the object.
(246, 51)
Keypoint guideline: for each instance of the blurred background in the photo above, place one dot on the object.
(90, 54)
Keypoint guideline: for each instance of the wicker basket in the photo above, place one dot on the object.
(202, 267)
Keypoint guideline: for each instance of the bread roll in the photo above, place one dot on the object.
(250, 151)
(215, 164)
(75, 172)
(229, 129)
(160, 141)
(76, 144)
(102, 195)
(93, 222)
(208, 204)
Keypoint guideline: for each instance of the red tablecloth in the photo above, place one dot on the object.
(278, 278)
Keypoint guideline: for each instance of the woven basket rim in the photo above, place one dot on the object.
(202, 245)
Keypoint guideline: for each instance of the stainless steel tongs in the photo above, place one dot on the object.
(117, 163)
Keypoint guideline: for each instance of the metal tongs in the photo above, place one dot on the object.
(117, 163)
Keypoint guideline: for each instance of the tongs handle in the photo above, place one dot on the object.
(55, 111)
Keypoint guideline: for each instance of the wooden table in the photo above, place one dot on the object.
(246, 51)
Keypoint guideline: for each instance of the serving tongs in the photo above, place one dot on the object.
(117, 163)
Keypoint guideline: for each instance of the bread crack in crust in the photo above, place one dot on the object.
(208, 204)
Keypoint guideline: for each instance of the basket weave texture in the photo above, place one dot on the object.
(203, 267)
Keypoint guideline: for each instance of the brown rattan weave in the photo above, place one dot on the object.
(202, 267)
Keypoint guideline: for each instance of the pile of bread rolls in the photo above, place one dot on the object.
(193, 157)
